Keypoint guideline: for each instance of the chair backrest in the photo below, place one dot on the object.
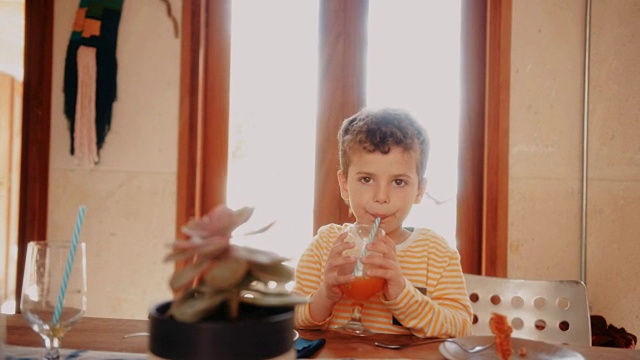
(554, 311)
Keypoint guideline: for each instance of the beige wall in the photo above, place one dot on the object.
(546, 143)
(130, 196)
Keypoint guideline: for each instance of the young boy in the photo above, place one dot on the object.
(383, 158)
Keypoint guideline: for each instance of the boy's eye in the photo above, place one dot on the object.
(399, 182)
(365, 179)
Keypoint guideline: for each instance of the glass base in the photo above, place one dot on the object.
(354, 328)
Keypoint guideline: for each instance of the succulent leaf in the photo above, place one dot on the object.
(267, 288)
(227, 273)
(185, 249)
(257, 298)
(186, 275)
(194, 305)
(278, 272)
(256, 256)
(261, 230)
(219, 221)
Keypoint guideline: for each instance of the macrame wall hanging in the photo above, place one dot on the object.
(90, 77)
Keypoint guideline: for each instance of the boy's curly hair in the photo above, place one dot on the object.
(377, 131)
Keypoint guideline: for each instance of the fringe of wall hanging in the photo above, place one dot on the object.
(90, 77)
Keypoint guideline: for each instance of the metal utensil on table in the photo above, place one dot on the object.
(135, 335)
(469, 350)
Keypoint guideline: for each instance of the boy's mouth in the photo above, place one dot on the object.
(374, 216)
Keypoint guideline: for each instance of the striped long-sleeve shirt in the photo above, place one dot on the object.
(434, 302)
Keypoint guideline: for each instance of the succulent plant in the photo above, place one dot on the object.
(218, 273)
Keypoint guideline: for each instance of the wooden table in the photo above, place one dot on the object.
(345, 346)
(90, 333)
(107, 335)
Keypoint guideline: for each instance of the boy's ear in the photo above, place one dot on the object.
(342, 182)
(422, 188)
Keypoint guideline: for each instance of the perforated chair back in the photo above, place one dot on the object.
(554, 311)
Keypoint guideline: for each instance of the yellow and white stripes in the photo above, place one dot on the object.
(433, 304)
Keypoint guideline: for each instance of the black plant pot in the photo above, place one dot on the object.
(258, 333)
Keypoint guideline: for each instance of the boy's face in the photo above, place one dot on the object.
(382, 185)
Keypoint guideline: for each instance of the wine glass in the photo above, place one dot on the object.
(362, 287)
(54, 290)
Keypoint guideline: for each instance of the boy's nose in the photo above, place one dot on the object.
(381, 195)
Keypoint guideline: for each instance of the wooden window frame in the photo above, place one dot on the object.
(204, 108)
(204, 119)
(483, 189)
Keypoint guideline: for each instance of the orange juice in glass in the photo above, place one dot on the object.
(363, 287)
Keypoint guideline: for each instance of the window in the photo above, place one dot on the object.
(413, 62)
(272, 120)
(275, 97)
(483, 178)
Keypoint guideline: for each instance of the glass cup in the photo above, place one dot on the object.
(362, 287)
(54, 290)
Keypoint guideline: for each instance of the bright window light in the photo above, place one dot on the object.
(274, 67)
(413, 62)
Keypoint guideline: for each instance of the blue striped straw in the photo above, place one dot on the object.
(67, 268)
(374, 229)
(358, 270)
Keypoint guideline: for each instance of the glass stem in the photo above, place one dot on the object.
(52, 346)
(357, 312)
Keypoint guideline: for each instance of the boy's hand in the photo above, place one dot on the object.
(329, 293)
(335, 261)
(330, 287)
(385, 265)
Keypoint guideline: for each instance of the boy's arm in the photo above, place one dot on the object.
(446, 313)
(310, 274)
(307, 283)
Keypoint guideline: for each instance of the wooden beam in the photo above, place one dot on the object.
(343, 26)
(36, 125)
(469, 226)
(496, 171)
(483, 191)
(187, 205)
(215, 103)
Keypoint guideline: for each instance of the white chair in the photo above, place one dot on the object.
(554, 311)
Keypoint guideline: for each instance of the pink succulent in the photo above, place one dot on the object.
(215, 272)
(219, 222)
